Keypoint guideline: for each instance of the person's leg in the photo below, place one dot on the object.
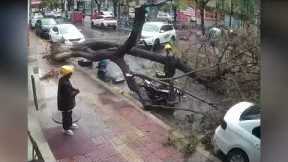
(66, 119)
(67, 122)
(69, 119)
(73, 125)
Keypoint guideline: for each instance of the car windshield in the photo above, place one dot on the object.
(251, 113)
(150, 28)
(68, 29)
(48, 22)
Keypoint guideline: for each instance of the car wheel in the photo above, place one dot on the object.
(237, 156)
(173, 40)
(156, 45)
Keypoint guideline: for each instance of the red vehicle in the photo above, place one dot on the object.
(77, 17)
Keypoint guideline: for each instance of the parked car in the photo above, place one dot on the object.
(156, 33)
(164, 16)
(107, 13)
(238, 137)
(43, 26)
(57, 14)
(66, 33)
(36, 16)
(49, 14)
(53, 14)
(104, 21)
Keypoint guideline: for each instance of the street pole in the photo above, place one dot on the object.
(231, 13)
(91, 5)
(34, 92)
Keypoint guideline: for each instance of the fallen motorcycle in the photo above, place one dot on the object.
(162, 94)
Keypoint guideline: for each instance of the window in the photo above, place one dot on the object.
(257, 132)
(99, 17)
(150, 28)
(167, 28)
(251, 113)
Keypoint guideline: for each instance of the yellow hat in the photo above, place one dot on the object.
(66, 69)
(167, 46)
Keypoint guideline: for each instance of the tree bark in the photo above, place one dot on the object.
(115, 6)
(202, 10)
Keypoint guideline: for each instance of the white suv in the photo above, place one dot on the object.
(156, 33)
(104, 21)
(238, 137)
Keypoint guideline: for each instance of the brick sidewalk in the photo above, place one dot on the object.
(111, 129)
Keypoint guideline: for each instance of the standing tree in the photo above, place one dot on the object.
(115, 7)
(201, 4)
(51, 4)
(99, 4)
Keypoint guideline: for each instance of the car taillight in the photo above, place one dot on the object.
(223, 124)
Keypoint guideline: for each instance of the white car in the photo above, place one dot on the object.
(156, 33)
(104, 21)
(66, 33)
(35, 17)
(164, 16)
(238, 137)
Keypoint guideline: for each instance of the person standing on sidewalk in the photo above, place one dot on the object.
(66, 98)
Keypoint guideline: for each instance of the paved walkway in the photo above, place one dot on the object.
(111, 128)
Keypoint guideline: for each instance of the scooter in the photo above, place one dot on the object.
(162, 94)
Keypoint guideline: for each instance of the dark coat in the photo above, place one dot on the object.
(66, 94)
(170, 66)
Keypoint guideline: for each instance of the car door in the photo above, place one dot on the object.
(251, 142)
(55, 34)
(256, 140)
(164, 34)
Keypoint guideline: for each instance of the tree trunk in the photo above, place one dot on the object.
(62, 5)
(202, 10)
(231, 13)
(98, 7)
(175, 14)
(68, 5)
(115, 8)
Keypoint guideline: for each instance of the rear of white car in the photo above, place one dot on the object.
(237, 136)
(104, 21)
(35, 17)
(67, 34)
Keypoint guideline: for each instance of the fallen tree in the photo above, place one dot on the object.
(99, 50)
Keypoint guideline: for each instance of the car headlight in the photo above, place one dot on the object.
(82, 39)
